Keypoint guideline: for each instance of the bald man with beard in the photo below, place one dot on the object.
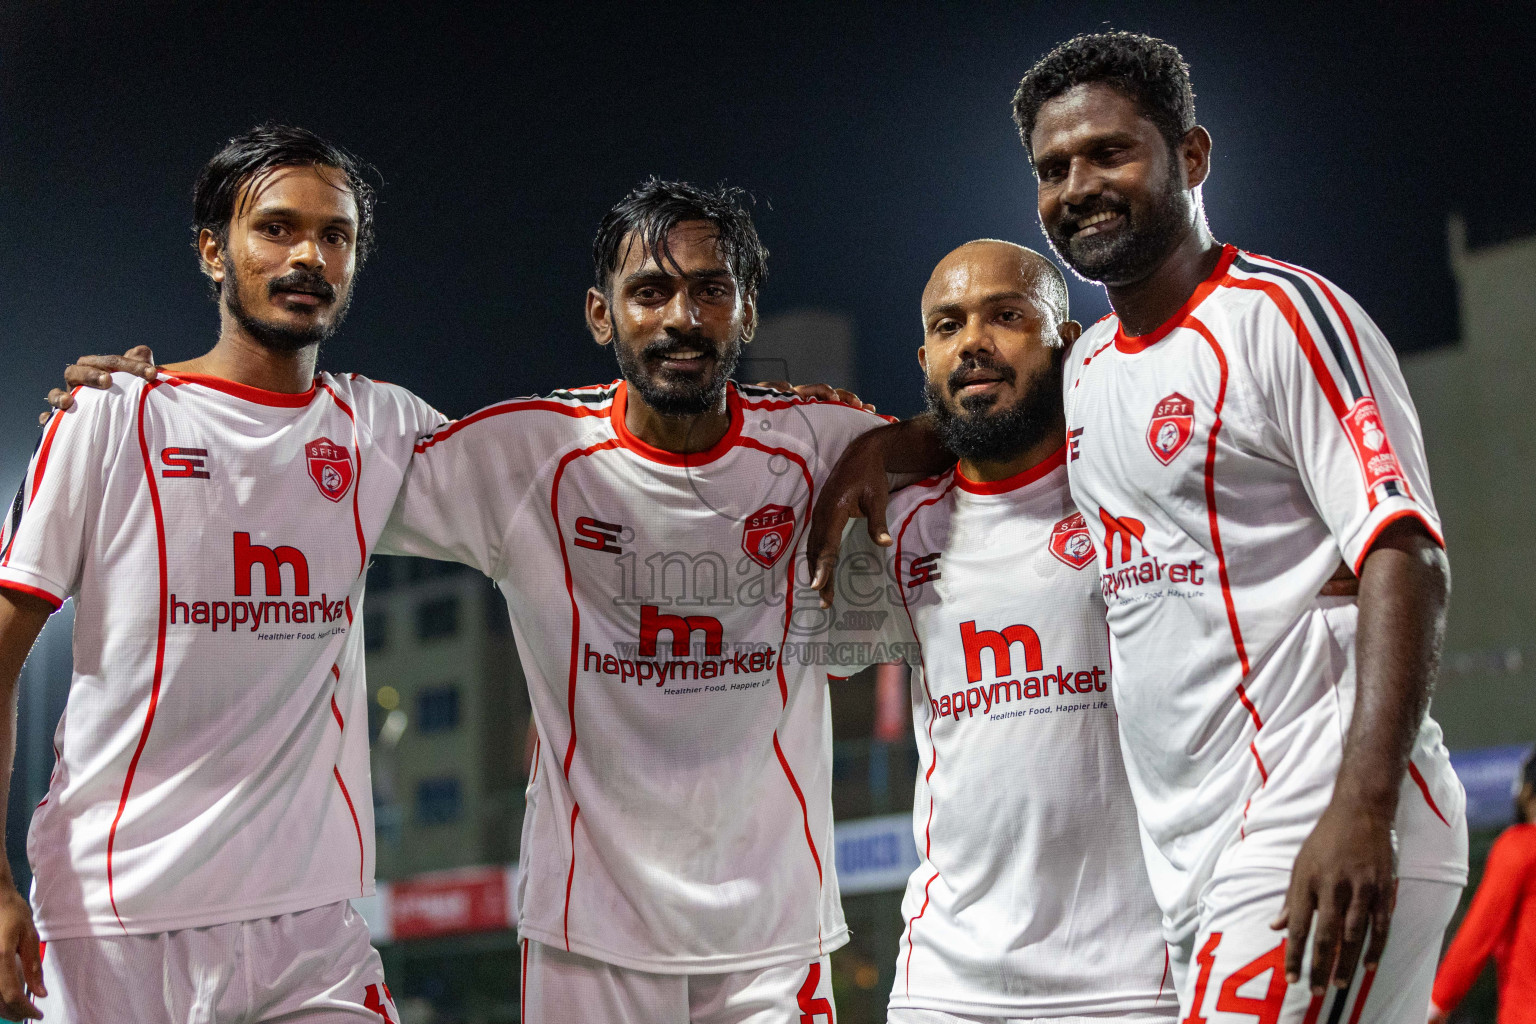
(1031, 901)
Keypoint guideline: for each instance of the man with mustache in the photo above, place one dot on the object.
(210, 813)
(677, 848)
(1234, 429)
(1030, 900)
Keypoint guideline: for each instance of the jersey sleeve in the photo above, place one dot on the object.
(870, 627)
(1339, 409)
(464, 484)
(43, 541)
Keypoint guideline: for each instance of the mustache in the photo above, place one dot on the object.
(676, 340)
(309, 281)
(958, 377)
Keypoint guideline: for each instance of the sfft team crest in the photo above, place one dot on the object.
(766, 534)
(1070, 541)
(330, 466)
(1173, 423)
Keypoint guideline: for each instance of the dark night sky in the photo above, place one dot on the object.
(876, 139)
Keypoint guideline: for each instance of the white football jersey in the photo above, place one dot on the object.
(679, 816)
(213, 753)
(1030, 899)
(1225, 463)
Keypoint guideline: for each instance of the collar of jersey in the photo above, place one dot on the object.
(244, 391)
(666, 458)
(1012, 483)
(1139, 343)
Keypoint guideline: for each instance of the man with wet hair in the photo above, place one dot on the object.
(1030, 900)
(211, 815)
(1234, 430)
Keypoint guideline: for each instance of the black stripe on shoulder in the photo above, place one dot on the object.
(758, 391)
(586, 397)
(1308, 292)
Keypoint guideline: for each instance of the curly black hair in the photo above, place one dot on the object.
(1145, 70)
(253, 154)
(654, 207)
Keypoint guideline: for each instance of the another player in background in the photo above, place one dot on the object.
(1234, 429)
(210, 814)
(1031, 899)
(1501, 923)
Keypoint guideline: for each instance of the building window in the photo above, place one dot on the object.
(437, 618)
(437, 709)
(438, 801)
(375, 631)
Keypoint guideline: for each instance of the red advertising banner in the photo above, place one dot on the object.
(450, 903)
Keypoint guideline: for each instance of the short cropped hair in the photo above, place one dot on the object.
(1147, 71)
(655, 207)
(252, 154)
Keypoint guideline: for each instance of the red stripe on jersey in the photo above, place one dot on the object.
(1195, 324)
(1131, 345)
(1210, 505)
(1022, 478)
(772, 404)
(154, 689)
(1418, 780)
(361, 886)
(522, 988)
(34, 591)
(357, 485)
(912, 925)
(1406, 513)
(570, 877)
(336, 711)
(42, 453)
(1320, 368)
(280, 399)
(789, 611)
(570, 586)
(1365, 991)
(577, 409)
(1338, 308)
(901, 535)
(570, 590)
(1314, 1009)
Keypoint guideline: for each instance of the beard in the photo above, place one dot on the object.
(986, 434)
(1132, 253)
(281, 337)
(669, 392)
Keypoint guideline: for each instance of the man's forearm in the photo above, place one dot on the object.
(912, 447)
(1404, 586)
(21, 618)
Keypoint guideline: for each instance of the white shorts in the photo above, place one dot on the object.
(1238, 974)
(312, 967)
(905, 1015)
(567, 988)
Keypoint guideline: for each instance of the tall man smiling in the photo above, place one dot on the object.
(1233, 430)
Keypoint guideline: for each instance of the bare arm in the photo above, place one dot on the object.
(21, 966)
(858, 487)
(1345, 871)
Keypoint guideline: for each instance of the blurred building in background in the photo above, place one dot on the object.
(1481, 435)
(802, 346)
